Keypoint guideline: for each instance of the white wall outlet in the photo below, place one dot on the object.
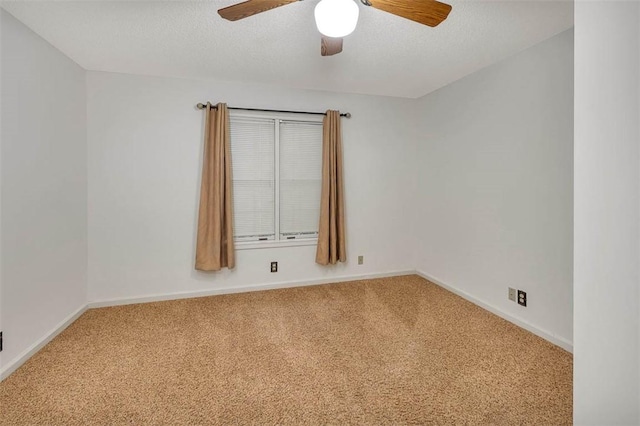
(360, 260)
(512, 294)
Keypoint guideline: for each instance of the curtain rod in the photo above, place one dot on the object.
(346, 114)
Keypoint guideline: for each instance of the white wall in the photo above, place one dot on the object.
(494, 208)
(145, 152)
(43, 188)
(607, 213)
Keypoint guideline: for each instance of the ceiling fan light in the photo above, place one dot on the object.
(336, 18)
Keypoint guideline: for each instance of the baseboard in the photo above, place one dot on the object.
(24, 356)
(550, 337)
(242, 289)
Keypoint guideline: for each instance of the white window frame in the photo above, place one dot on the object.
(278, 117)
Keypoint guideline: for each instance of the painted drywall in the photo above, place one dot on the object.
(494, 186)
(607, 213)
(145, 151)
(43, 188)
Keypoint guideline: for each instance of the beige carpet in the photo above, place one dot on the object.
(386, 351)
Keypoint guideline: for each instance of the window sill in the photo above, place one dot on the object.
(275, 244)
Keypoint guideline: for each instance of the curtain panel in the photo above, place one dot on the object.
(331, 233)
(215, 249)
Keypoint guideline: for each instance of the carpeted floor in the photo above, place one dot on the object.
(387, 351)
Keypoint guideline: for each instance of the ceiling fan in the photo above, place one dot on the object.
(338, 18)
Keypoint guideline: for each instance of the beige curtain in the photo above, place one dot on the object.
(331, 234)
(215, 249)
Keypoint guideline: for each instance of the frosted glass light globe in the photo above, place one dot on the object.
(336, 18)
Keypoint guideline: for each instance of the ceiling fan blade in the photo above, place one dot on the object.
(250, 7)
(427, 12)
(330, 46)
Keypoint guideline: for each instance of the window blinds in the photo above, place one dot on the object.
(276, 171)
(253, 172)
(300, 179)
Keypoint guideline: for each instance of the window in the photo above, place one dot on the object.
(277, 169)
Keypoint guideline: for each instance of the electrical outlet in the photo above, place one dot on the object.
(522, 298)
(274, 266)
(360, 260)
(512, 294)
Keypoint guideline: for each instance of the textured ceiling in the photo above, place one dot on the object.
(386, 55)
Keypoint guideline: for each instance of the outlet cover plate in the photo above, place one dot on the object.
(512, 294)
(360, 260)
(522, 298)
(274, 266)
